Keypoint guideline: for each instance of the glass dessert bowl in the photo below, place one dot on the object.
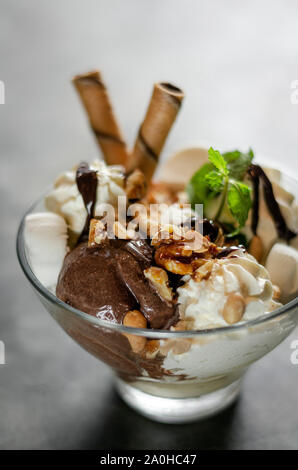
(195, 374)
(178, 302)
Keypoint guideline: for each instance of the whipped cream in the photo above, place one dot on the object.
(202, 302)
(66, 200)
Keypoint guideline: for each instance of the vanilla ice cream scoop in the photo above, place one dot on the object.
(66, 200)
(226, 291)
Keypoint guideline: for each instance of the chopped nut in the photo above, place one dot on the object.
(159, 278)
(256, 248)
(189, 240)
(97, 232)
(121, 232)
(276, 292)
(165, 233)
(151, 348)
(204, 271)
(182, 345)
(135, 185)
(177, 346)
(185, 324)
(174, 266)
(135, 319)
(179, 257)
(234, 308)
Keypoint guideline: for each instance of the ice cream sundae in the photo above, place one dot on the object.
(206, 240)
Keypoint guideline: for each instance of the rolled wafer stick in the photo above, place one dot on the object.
(164, 105)
(95, 99)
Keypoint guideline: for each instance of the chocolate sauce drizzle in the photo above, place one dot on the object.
(210, 228)
(86, 180)
(226, 251)
(255, 204)
(257, 174)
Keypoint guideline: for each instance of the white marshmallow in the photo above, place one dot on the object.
(282, 264)
(46, 245)
(179, 168)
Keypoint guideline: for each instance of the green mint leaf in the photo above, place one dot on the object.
(218, 161)
(215, 181)
(238, 163)
(239, 201)
(222, 178)
(198, 190)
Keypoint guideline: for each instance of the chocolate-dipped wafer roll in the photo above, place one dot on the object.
(164, 105)
(95, 99)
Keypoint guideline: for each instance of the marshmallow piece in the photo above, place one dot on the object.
(289, 215)
(179, 168)
(282, 264)
(46, 245)
(282, 194)
(273, 174)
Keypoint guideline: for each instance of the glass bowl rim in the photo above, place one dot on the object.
(151, 333)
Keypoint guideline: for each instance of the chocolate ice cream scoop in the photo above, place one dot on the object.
(107, 281)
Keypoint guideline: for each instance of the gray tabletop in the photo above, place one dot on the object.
(236, 62)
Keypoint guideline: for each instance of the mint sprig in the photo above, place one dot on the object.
(223, 177)
(218, 161)
(238, 163)
(239, 201)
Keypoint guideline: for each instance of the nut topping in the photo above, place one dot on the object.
(121, 232)
(97, 233)
(234, 308)
(151, 349)
(183, 256)
(160, 281)
(135, 319)
(203, 272)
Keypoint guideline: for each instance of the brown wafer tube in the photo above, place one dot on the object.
(164, 105)
(95, 99)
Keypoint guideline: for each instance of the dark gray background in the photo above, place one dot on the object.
(236, 61)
